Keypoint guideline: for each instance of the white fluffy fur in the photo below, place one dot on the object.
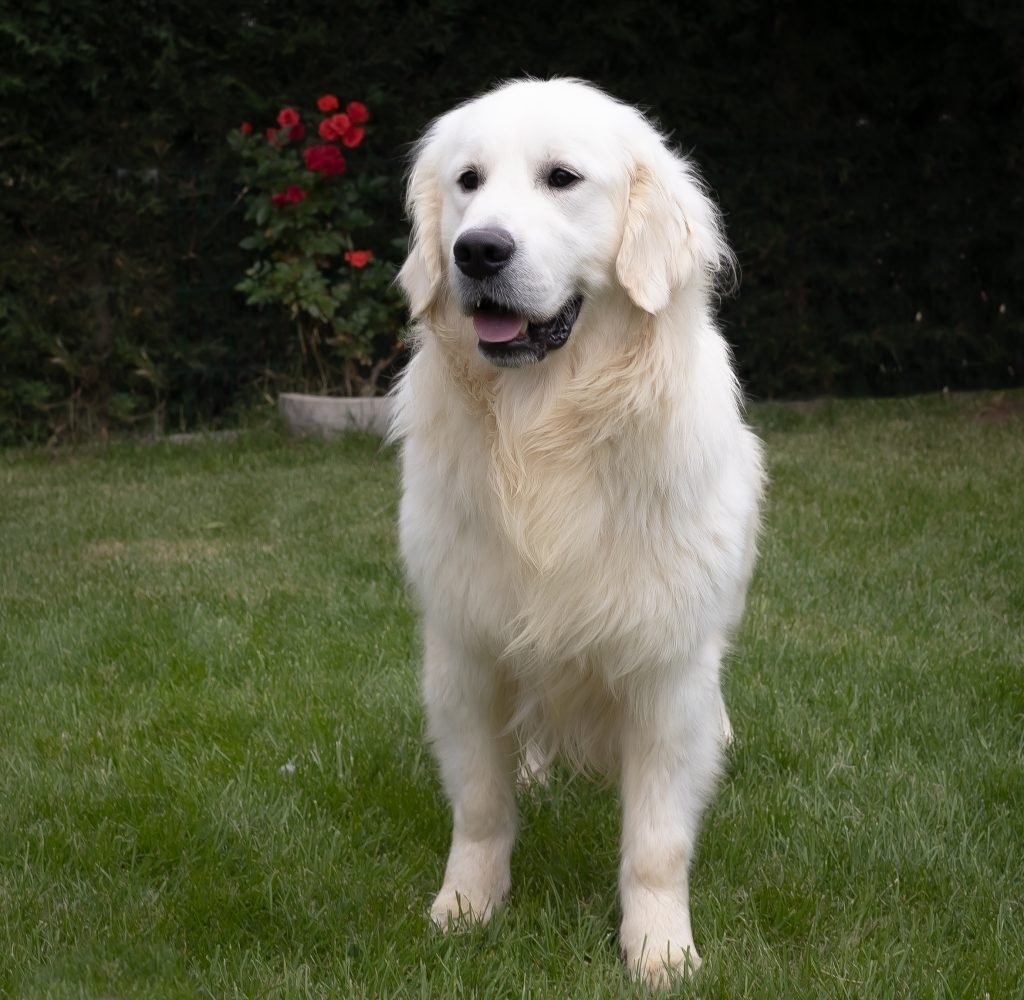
(580, 532)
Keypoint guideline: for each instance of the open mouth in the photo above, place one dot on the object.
(510, 339)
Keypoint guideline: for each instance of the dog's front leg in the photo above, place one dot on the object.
(670, 752)
(466, 721)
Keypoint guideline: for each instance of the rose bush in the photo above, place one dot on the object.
(305, 207)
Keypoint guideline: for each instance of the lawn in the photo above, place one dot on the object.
(213, 781)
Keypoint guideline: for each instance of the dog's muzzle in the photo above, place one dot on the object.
(508, 335)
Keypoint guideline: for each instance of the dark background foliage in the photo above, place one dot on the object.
(867, 156)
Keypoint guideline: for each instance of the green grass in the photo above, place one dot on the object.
(213, 781)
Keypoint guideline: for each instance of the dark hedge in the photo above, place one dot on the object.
(868, 159)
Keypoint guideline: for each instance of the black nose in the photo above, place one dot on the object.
(479, 253)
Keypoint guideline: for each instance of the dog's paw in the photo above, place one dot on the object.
(657, 943)
(454, 909)
(664, 967)
(476, 883)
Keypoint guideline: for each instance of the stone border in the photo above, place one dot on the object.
(328, 416)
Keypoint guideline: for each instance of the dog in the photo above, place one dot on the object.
(580, 493)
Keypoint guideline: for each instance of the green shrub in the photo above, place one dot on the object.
(304, 206)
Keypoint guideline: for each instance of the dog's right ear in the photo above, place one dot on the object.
(421, 274)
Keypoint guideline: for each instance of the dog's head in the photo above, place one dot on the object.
(542, 200)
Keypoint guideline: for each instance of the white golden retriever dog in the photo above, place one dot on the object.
(581, 494)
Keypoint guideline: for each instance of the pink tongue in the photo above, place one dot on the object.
(497, 328)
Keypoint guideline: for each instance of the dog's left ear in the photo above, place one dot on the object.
(420, 276)
(673, 233)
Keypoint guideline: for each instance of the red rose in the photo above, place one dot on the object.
(340, 127)
(356, 110)
(287, 116)
(245, 128)
(328, 103)
(290, 196)
(359, 258)
(326, 160)
(353, 137)
(296, 132)
(334, 127)
(272, 136)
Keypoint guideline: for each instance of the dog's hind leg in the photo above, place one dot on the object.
(477, 758)
(533, 767)
(727, 735)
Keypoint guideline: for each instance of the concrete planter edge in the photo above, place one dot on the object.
(328, 416)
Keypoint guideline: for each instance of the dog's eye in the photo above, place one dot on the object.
(469, 180)
(559, 177)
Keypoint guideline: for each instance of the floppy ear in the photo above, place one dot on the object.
(420, 276)
(673, 234)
